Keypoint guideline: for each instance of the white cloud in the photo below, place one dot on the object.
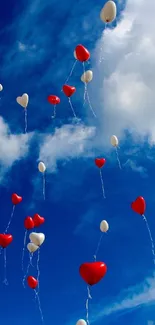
(67, 142)
(22, 47)
(134, 297)
(25, 48)
(135, 167)
(127, 73)
(12, 147)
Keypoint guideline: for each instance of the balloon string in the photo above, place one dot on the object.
(102, 184)
(151, 239)
(38, 267)
(54, 112)
(13, 209)
(23, 252)
(101, 49)
(72, 69)
(90, 106)
(5, 277)
(85, 87)
(39, 305)
(25, 120)
(72, 108)
(87, 305)
(119, 164)
(98, 246)
(30, 263)
(30, 258)
(44, 185)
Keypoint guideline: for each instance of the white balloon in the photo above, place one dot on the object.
(108, 12)
(23, 100)
(37, 238)
(114, 141)
(104, 227)
(32, 247)
(75, 55)
(81, 322)
(87, 76)
(1, 87)
(41, 167)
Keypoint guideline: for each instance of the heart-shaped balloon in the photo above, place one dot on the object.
(81, 322)
(93, 272)
(37, 238)
(54, 100)
(68, 90)
(23, 100)
(28, 223)
(38, 220)
(32, 282)
(16, 199)
(100, 162)
(5, 240)
(82, 54)
(139, 205)
(32, 247)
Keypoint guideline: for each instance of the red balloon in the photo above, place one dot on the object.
(16, 198)
(5, 240)
(139, 205)
(68, 90)
(28, 223)
(82, 53)
(92, 272)
(32, 282)
(54, 100)
(38, 220)
(100, 162)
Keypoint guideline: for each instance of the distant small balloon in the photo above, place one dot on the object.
(41, 167)
(82, 54)
(1, 87)
(108, 12)
(32, 282)
(37, 238)
(114, 141)
(32, 247)
(87, 76)
(104, 227)
(23, 100)
(81, 322)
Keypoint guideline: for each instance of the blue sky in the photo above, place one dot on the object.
(37, 43)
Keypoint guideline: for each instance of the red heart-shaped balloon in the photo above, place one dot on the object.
(93, 272)
(32, 282)
(54, 100)
(68, 90)
(16, 199)
(100, 162)
(38, 220)
(5, 240)
(139, 205)
(82, 53)
(28, 223)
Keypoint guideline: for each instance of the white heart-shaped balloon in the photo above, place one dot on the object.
(23, 100)
(32, 247)
(37, 238)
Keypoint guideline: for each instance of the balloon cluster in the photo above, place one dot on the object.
(90, 272)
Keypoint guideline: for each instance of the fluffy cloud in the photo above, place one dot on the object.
(127, 73)
(12, 147)
(134, 297)
(68, 141)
